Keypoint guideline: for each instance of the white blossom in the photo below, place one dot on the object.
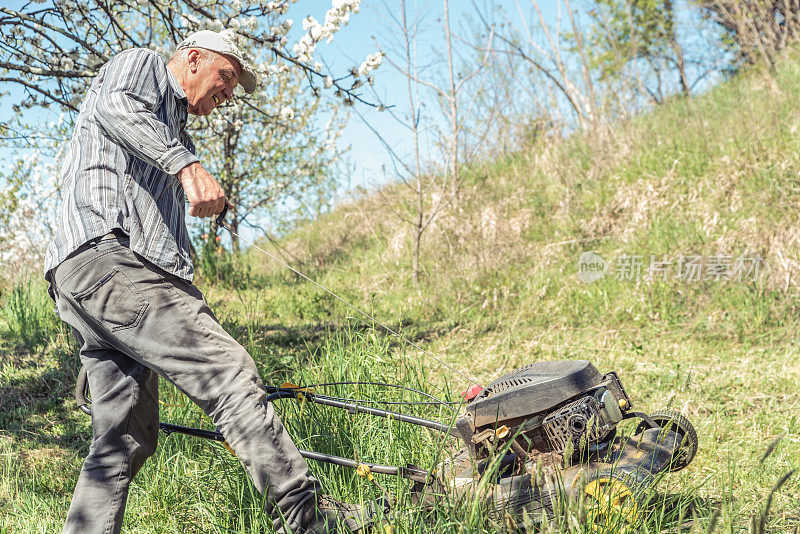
(372, 62)
(279, 8)
(192, 21)
(336, 17)
(287, 113)
(250, 23)
(281, 29)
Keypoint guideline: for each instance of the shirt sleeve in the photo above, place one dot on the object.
(134, 87)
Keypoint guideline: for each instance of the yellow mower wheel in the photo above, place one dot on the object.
(610, 501)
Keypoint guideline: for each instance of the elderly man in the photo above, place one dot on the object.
(121, 275)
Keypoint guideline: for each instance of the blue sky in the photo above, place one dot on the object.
(366, 32)
(350, 47)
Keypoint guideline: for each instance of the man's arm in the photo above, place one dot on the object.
(134, 86)
(206, 197)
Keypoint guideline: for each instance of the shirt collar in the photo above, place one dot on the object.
(180, 94)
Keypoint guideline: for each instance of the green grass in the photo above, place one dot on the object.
(717, 174)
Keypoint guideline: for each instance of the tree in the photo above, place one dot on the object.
(566, 70)
(26, 196)
(432, 187)
(266, 149)
(55, 51)
(638, 35)
(754, 30)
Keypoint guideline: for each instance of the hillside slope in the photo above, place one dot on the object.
(701, 190)
(712, 182)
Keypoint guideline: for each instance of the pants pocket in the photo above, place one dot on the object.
(113, 301)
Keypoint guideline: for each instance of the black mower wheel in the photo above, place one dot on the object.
(687, 436)
(612, 499)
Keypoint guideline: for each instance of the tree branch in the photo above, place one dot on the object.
(41, 91)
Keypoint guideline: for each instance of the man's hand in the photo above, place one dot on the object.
(206, 197)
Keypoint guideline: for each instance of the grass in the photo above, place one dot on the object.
(714, 175)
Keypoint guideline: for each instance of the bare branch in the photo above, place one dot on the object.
(41, 91)
(56, 29)
(58, 73)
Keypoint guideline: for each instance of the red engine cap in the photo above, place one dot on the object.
(472, 392)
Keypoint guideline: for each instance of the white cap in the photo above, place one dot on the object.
(216, 42)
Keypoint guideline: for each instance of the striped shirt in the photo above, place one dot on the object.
(120, 165)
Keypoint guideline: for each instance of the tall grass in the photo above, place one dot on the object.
(27, 315)
(216, 266)
(192, 485)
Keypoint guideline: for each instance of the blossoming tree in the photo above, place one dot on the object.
(266, 148)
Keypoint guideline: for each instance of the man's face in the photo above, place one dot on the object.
(210, 80)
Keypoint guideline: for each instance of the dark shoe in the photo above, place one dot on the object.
(321, 523)
(331, 516)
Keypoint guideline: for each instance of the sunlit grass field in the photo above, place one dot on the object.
(714, 176)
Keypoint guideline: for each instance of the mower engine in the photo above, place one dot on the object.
(549, 430)
(545, 407)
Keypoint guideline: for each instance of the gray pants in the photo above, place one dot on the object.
(135, 322)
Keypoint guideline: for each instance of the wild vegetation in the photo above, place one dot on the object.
(715, 176)
(476, 253)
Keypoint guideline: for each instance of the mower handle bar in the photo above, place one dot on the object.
(410, 472)
(283, 393)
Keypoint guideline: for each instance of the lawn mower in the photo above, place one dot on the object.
(528, 442)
